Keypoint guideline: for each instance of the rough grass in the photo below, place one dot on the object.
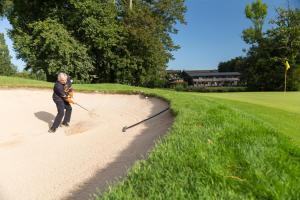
(215, 150)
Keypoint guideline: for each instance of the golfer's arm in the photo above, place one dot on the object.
(60, 92)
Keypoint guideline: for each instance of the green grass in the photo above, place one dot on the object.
(16, 82)
(289, 101)
(11, 82)
(277, 110)
(216, 149)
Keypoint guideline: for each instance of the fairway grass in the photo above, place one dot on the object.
(289, 101)
(275, 109)
(216, 149)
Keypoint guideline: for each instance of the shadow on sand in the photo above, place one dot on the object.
(45, 117)
(137, 150)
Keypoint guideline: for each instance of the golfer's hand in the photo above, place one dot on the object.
(71, 94)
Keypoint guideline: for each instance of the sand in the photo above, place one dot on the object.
(79, 160)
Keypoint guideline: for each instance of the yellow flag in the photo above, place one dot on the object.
(287, 65)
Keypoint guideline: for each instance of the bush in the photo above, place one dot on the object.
(156, 83)
(179, 86)
(40, 75)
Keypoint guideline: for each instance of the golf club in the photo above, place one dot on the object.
(126, 128)
(81, 107)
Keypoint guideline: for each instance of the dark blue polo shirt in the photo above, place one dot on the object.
(60, 91)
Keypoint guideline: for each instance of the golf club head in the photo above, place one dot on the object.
(124, 129)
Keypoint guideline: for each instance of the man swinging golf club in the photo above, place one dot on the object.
(62, 97)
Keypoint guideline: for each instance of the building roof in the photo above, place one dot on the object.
(173, 71)
(200, 73)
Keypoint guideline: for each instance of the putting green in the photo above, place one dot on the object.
(276, 109)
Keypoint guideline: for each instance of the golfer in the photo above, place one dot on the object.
(62, 97)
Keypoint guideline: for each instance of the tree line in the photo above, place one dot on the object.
(129, 41)
(263, 66)
(117, 41)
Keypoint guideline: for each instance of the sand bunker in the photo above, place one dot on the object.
(74, 161)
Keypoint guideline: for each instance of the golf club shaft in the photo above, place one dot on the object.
(82, 107)
(145, 119)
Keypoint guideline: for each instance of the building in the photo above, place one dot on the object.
(211, 78)
(175, 76)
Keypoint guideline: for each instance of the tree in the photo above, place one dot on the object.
(264, 69)
(96, 40)
(256, 13)
(285, 42)
(50, 48)
(234, 65)
(148, 41)
(6, 67)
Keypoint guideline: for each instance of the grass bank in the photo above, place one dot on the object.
(215, 150)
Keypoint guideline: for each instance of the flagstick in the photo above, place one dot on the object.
(287, 67)
(285, 75)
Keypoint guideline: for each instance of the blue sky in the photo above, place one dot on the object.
(212, 34)
(4, 26)
(214, 30)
